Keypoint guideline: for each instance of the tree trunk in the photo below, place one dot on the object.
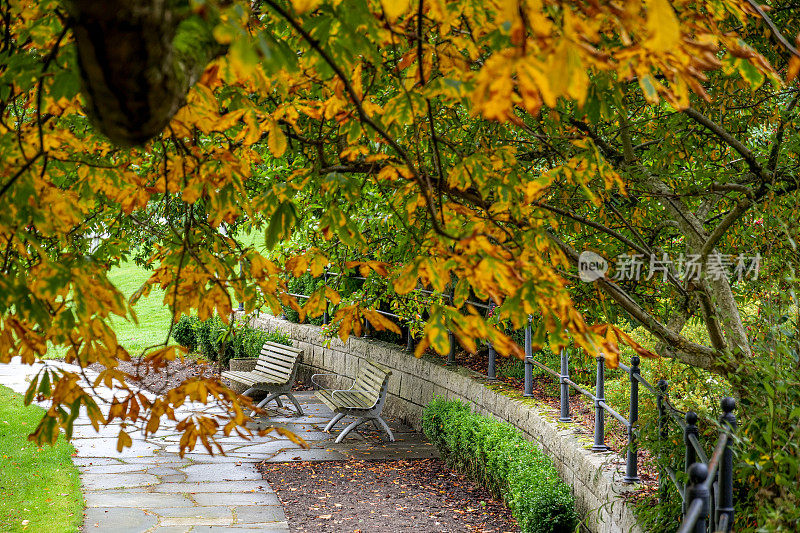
(137, 59)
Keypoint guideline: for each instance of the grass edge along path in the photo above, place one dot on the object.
(40, 489)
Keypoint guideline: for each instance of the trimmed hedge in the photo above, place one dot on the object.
(498, 456)
(212, 340)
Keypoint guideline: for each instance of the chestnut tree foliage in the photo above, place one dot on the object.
(468, 147)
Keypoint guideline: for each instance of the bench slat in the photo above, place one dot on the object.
(283, 350)
(276, 365)
(273, 360)
(249, 378)
(283, 347)
(371, 378)
(277, 356)
(277, 376)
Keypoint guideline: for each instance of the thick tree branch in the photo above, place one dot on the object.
(727, 138)
(693, 353)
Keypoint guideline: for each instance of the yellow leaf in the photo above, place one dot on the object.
(276, 140)
(302, 6)
(380, 322)
(123, 440)
(394, 8)
(662, 26)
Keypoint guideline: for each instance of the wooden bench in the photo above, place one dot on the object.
(274, 373)
(364, 399)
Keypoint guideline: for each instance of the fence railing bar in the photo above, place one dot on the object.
(612, 412)
(674, 477)
(298, 295)
(701, 453)
(692, 515)
(713, 462)
(674, 414)
(580, 389)
(640, 379)
(545, 368)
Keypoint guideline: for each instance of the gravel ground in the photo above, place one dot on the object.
(384, 497)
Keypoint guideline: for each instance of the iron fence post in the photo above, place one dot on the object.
(725, 501)
(599, 412)
(564, 417)
(491, 372)
(367, 331)
(326, 319)
(691, 429)
(409, 340)
(241, 273)
(451, 355)
(695, 489)
(528, 390)
(632, 458)
(662, 435)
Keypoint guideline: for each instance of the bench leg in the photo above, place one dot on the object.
(249, 391)
(386, 428)
(333, 421)
(266, 400)
(295, 402)
(350, 428)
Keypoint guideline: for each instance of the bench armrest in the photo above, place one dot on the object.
(319, 385)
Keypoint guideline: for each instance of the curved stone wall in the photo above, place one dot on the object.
(595, 478)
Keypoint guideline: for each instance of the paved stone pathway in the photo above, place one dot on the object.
(149, 487)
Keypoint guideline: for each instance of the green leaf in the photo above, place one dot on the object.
(750, 73)
(280, 225)
(31, 392)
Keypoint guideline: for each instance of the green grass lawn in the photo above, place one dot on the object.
(37, 485)
(154, 317)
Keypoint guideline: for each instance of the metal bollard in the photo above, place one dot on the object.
(528, 390)
(491, 372)
(599, 412)
(725, 479)
(662, 435)
(367, 330)
(409, 340)
(695, 489)
(451, 355)
(564, 417)
(632, 459)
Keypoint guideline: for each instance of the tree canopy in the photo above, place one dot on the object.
(462, 146)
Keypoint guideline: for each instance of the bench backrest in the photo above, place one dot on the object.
(372, 377)
(279, 361)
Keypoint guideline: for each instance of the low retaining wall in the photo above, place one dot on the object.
(595, 478)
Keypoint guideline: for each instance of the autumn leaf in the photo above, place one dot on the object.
(662, 26)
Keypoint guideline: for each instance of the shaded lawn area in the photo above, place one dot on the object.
(37, 485)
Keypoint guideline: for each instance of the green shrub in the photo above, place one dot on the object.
(184, 332)
(217, 341)
(499, 457)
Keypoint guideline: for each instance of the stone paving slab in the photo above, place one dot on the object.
(150, 488)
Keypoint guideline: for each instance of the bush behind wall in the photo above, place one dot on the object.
(499, 457)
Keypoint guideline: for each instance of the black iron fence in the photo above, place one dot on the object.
(707, 495)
